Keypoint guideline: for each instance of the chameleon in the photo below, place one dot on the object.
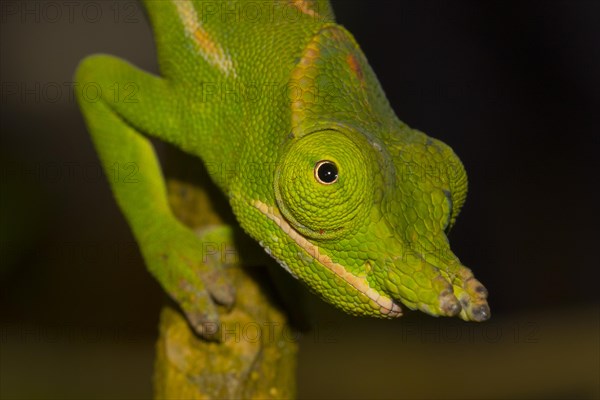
(284, 110)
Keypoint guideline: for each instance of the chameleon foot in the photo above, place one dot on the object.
(191, 271)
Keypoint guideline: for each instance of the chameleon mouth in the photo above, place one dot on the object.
(385, 305)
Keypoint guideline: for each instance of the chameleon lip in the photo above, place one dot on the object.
(387, 306)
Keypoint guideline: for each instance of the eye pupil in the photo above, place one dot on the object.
(326, 172)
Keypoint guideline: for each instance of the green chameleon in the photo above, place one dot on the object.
(284, 110)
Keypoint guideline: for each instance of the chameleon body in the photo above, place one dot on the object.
(289, 119)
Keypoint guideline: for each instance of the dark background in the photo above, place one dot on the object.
(512, 88)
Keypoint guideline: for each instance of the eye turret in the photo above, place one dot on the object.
(323, 183)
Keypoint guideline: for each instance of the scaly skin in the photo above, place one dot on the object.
(265, 102)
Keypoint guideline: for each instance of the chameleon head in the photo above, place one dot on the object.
(366, 229)
(360, 203)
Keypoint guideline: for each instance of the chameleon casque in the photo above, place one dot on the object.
(321, 172)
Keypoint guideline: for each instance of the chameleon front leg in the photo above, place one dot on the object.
(119, 102)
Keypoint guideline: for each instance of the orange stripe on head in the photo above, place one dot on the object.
(355, 66)
(208, 48)
(305, 7)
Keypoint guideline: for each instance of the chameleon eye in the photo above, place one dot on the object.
(326, 172)
(308, 188)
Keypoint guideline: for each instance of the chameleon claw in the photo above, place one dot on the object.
(205, 325)
(208, 331)
(481, 313)
(449, 304)
(221, 290)
(477, 312)
(474, 304)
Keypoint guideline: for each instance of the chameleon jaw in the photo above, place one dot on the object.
(387, 307)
